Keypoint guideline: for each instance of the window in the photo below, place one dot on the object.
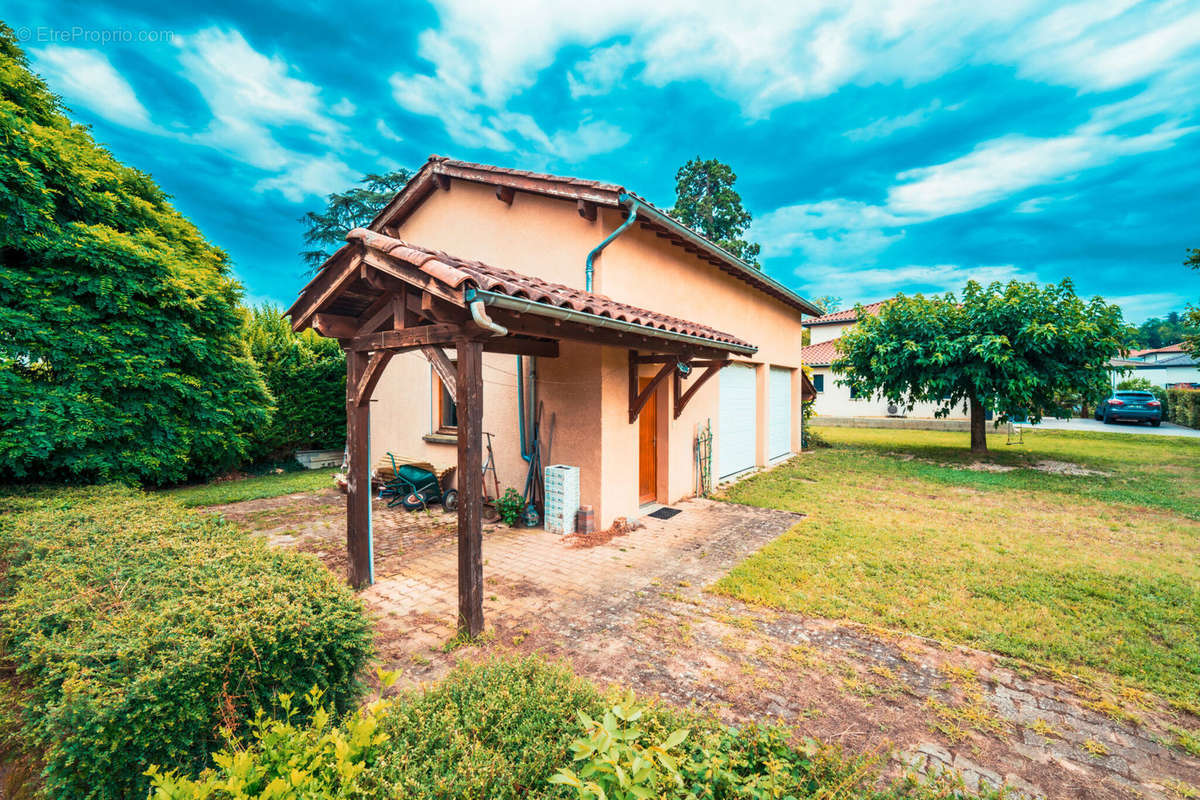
(819, 382)
(446, 410)
(855, 394)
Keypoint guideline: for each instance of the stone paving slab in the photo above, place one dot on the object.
(634, 611)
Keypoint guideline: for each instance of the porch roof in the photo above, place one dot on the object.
(347, 288)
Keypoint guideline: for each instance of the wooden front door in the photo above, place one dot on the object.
(648, 447)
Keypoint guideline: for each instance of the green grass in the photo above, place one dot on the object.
(254, 488)
(1099, 575)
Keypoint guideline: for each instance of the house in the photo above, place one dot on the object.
(628, 331)
(836, 400)
(1162, 366)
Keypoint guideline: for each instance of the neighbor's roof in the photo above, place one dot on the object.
(462, 273)
(821, 354)
(1171, 348)
(845, 315)
(581, 191)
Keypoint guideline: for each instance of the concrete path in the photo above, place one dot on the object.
(633, 610)
(1095, 426)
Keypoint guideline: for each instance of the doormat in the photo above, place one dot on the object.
(664, 513)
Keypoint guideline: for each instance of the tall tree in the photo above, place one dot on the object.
(1004, 348)
(1191, 338)
(344, 211)
(121, 356)
(706, 201)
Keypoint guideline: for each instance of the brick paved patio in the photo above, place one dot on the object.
(633, 611)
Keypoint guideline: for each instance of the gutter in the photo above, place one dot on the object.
(521, 305)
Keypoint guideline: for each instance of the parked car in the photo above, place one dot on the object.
(1131, 405)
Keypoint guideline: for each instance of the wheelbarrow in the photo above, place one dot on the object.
(415, 487)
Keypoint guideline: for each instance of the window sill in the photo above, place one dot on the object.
(441, 438)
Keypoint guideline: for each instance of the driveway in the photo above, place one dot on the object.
(1166, 429)
(631, 609)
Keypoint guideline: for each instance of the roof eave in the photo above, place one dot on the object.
(526, 306)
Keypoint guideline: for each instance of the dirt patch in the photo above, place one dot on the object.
(620, 527)
(1065, 468)
(1046, 465)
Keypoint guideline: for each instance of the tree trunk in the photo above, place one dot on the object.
(978, 427)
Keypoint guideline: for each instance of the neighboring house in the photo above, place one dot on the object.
(1162, 366)
(836, 400)
(518, 245)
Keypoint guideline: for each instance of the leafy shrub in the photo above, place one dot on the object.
(497, 730)
(121, 357)
(306, 374)
(287, 759)
(136, 630)
(510, 506)
(1184, 405)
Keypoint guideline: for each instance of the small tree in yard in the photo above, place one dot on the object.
(1003, 348)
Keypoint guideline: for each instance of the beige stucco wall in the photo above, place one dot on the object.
(586, 388)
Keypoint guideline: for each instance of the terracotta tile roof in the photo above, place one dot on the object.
(1171, 348)
(821, 354)
(845, 315)
(457, 272)
(600, 193)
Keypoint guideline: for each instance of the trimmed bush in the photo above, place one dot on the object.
(137, 631)
(306, 374)
(1184, 407)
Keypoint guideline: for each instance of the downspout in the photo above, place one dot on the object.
(630, 203)
(479, 314)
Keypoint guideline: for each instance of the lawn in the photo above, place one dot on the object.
(254, 488)
(1094, 574)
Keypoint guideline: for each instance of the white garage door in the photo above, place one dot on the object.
(736, 420)
(779, 438)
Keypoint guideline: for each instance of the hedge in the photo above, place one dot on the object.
(135, 631)
(1184, 407)
(501, 730)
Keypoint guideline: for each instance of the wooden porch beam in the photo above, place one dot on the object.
(335, 326)
(638, 400)
(334, 285)
(442, 181)
(371, 375)
(439, 333)
(505, 194)
(358, 476)
(682, 397)
(443, 366)
(469, 399)
(587, 210)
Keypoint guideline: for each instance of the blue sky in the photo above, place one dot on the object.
(880, 150)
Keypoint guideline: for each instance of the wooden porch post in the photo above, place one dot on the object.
(358, 479)
(470, 486)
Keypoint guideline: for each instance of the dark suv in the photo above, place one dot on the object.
(1135, 406)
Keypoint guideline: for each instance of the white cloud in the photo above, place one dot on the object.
(600, 72)
(870, 285)
(886, 126)
(1001, 167)
(1139, 307)
(385, 130)
(252, 96)
(343, 108)
(86, 77)
(587, 140)
(827, 232)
